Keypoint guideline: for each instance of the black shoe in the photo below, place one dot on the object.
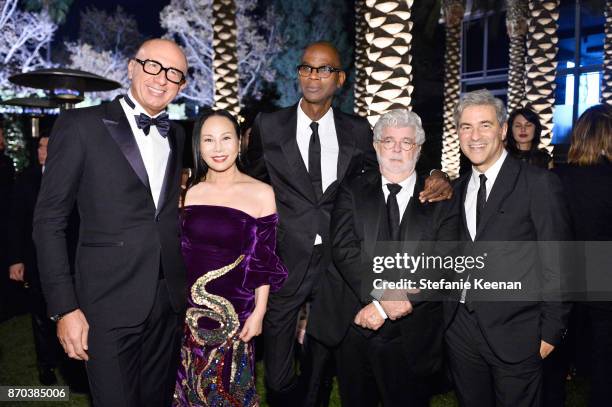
(47, 377)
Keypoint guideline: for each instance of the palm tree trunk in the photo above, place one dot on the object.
(453, 14)
(516, 25)
(225, 60)
(390, 69)
(361, 58)
(542, 47)
(606, 83)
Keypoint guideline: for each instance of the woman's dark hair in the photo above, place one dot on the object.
(592, 136)
(199, 165)
(532, 118)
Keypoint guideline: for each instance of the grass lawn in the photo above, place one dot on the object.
(18, 367)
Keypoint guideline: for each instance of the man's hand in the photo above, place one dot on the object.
(17, 271)
(369, 317)
(437, 188)
(72, 331)
(545, 349)
(396, 309)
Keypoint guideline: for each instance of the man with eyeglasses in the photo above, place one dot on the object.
(393, 344)
(305, 151)
(121, 163)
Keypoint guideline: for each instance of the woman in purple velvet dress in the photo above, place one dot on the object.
(228, 241)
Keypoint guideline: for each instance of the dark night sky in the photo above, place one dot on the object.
(146, 13)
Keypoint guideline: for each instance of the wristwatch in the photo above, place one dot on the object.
(57, 317)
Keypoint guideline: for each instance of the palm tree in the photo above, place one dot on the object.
(516, 25)
(542, 47)
(225, 60)
(453, 15)
(606, 83)
(361, 58)
(390, 70)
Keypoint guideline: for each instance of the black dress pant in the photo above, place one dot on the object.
(375, 369)
(279, 330)
(482, 379)
(136, 366)
(601, 356)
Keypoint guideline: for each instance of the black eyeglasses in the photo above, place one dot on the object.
(324, 71)
(154, 68)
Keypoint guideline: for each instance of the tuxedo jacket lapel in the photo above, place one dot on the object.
(346, 143)
(287, 128)
(463, 187)
(171, 164)
(118, 127)
(503, 186)
(411, 225)
(374, 212)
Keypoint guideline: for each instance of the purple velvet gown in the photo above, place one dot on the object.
(228, 254)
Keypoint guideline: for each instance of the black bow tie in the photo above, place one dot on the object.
(162, 122)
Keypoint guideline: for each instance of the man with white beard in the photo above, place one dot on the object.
(392, 347)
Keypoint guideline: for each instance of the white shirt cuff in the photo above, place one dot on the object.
(380, 309)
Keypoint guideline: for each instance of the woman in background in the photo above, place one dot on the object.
(525, 130)
(229, 237)
(587, 180)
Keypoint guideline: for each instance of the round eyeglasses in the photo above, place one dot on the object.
(405, 144)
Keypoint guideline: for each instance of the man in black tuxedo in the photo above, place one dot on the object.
(121, 163)
(496, 348)
(394, 347)
(23, 267)
(305, 151)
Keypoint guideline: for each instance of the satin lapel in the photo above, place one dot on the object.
(288, 143)
(346, 142)
(374, 208)
(463, 187)
(503, 186)
(346, 145)
(411, 224)
(170, 166)
(119, 129)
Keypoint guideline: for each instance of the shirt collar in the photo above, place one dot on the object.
(323, 121)
(493, 170)
(406, 184)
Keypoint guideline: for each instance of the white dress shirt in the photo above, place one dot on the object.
(404, 195)
(403, 198)
(471, 197)
(329, 146)
(472, 191)
(154, 149)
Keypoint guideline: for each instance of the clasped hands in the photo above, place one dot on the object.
(369, 317)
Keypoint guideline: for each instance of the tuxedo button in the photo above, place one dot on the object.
(156, 218)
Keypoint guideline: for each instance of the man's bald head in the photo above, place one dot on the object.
(161, 43)
(154, 91)
(326, 47)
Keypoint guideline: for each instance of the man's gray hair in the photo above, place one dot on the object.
(481, 97)
(399, 118)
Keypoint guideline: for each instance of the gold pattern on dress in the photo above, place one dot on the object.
(220, 310)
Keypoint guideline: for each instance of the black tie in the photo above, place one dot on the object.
(162, 122)
(393, 213)
(314, 160)
(481, 199)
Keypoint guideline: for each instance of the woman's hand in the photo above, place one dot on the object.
(252, 326)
